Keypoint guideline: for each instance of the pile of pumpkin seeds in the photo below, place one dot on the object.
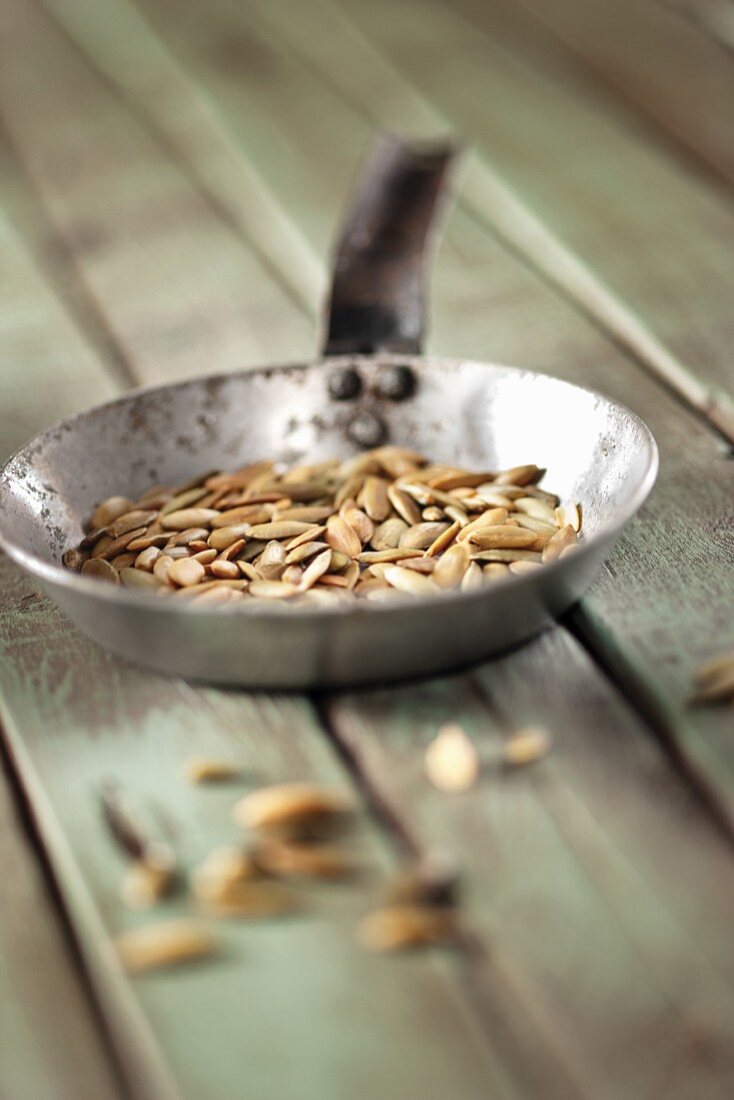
(382, 524)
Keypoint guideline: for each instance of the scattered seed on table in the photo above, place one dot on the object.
(525, 747)
(164, 944)
(313, 533)
(451, 760)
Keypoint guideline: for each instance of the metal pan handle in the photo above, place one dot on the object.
(377, 293)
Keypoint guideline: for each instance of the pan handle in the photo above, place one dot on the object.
(377, 293)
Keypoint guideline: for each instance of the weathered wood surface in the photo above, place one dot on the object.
(50, 1044)
(669, 70)
(636, 626)
(598, 890)
(137, 729)
(640, 242)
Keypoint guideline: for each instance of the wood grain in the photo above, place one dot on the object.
(49, 1041)
(477, 282)
(75, 718)
(577, 871)
(199, 300)
(666, 68)
(647, 241)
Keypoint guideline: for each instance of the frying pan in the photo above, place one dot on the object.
(370, 386)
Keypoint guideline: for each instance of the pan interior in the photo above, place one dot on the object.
(472, 414)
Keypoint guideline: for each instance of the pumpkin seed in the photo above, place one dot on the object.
(272, 590)
(188, 517)
(186, 572)
(316, 569)
(525, 747)
(166, 943)
(98, 567)
(207, 769)
(294, 858)
(293, 807)
(407, 581)
(109, 510)
(561, 541)
(387, 536)
(451, 566)
(340, 536)
(422, 535)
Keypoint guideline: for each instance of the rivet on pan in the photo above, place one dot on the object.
(395, 382)
(366, 429)
(344, 384)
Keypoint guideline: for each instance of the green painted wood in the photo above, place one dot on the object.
(488, 305)
(668, 69)
(120, 43)
(594, 876)
(199, 300)
(294, 1009)
(714, 17)
(49, 1041)
(556, 174)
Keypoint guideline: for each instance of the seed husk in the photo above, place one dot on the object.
(451, 761)
(398, 927)
(164, 944)
(525, 747)
(98, 567)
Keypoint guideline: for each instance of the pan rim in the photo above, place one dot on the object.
(59, 576)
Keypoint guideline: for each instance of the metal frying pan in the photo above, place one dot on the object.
(371, 386)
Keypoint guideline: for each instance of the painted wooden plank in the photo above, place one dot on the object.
(668, 69)
(50, 1043)
(601, 828)
(119, 42)
(199, 300)
(557, 174)
(714, 17)
(365, 1022)
(293, 1008)
(478, 267)
(476, 284)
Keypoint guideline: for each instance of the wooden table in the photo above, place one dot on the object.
(171, 175)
